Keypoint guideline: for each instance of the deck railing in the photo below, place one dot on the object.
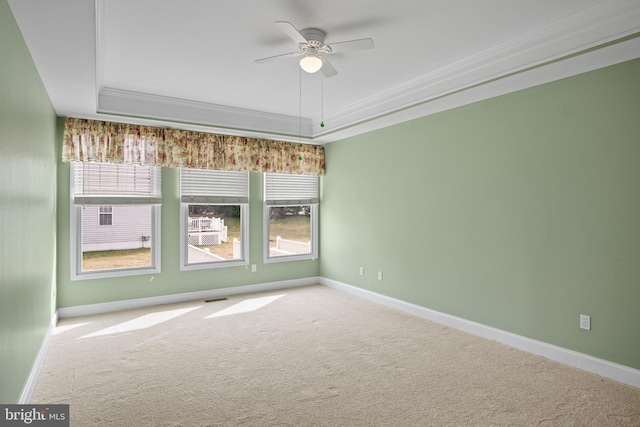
(289, 247)
(206, 224)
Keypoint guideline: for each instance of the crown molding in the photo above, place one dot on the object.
(565, 47)
(121, 102)
(114, 103)
(593, 27)
(594, 60)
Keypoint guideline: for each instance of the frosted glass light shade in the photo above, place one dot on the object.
(311, 63)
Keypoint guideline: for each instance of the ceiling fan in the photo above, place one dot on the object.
(313, 50)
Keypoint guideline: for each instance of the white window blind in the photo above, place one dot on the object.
(294, 190)
(209, 186)
(115, 184)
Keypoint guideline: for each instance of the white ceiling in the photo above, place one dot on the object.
(191, 63)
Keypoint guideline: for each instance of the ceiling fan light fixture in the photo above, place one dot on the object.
(311, 63)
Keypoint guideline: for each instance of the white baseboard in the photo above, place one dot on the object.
(106, 307)
(27, 391)
(604, 368)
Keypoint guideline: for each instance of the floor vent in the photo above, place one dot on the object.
(216, 299)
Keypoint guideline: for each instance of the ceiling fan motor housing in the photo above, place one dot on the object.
(315, 38)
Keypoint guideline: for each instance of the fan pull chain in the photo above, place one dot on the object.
(300, 107)
(322, 101)
(300, 103)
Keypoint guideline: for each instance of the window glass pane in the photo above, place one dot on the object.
(289, 230)
(106, 217)
(213, 233)
(126, 243)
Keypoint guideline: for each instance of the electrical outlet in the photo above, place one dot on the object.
(362, 271)
(379, 275)
(253, 268)
(585, 322)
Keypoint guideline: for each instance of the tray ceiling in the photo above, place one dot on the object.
(191, 63)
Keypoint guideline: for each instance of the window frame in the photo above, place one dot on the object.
(215, 200)
(304, 199)
(75, 240)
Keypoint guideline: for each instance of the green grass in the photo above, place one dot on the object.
(105, 260)
(295, 227)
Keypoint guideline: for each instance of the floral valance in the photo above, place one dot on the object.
(111, 142)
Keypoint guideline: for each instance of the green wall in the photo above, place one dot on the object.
(520, 212)
(171, 280)
(27, 210)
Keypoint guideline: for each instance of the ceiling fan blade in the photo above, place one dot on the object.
(284, 55)
(327, 69)
(291, 31)
(360, 44)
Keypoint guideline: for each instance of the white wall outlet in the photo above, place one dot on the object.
(585, 322)
(379, 275)
(362, 271)
(253, 268)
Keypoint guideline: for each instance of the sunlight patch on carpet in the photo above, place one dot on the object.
(246, 306)
(65, 328)
(141, 322)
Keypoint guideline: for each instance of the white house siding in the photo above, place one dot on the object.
(129, 225)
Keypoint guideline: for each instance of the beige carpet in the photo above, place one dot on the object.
(310, 356)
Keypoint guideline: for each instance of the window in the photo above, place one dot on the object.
(115, 220)
(290, 217)
(106, 215)
(213, 218)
